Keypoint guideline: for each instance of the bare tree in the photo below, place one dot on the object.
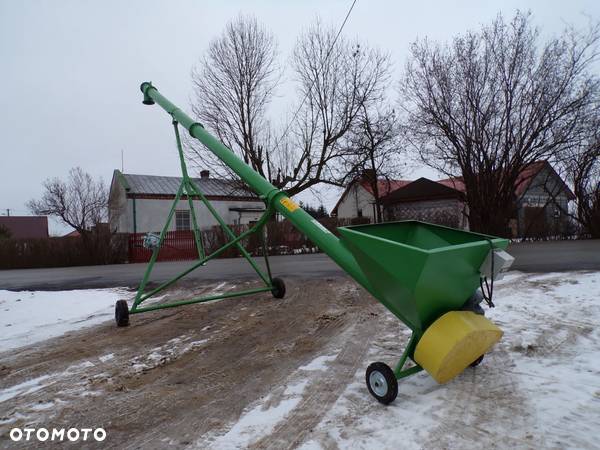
(236, 80)
(79, 202)
(233, 86)
(494, 101)
(374, 151)
(582, 167)
(336, 79)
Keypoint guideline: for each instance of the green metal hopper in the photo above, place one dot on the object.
(419, 270)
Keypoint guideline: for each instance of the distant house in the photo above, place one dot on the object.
(428, 201)
(358, 199)
(541, 199)
(141, 203)
(25, 227)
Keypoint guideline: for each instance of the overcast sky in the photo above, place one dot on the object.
(71, 70)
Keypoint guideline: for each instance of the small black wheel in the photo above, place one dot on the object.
(476, 362)
(278, 288)
(121, 313)
(381, 382)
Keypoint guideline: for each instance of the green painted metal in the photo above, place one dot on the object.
(208, 298)
(303, 221)
(144, 296)
(407, 372)
(408, 353)
(419, 271)
(191, 191)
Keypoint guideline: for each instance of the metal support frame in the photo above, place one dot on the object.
(408, 352)
(191, 191)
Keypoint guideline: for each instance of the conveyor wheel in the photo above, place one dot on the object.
(121, 313)
(381, 382)
(278, 288)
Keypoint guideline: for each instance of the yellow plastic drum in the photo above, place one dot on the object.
(453, 342)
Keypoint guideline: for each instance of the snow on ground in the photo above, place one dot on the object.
(261, 418)
(27, 317)
(158, 356)
(538, 388)
(82, 379)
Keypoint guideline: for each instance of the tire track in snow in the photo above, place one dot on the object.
(323, 391)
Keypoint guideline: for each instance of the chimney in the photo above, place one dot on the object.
(368, 175)
(204, 174)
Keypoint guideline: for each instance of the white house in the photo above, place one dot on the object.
(358, 199)
(141, 203)
(541, 200)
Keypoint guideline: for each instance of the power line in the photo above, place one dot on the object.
(287, 128)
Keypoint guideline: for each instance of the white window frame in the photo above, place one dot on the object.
(180, 215)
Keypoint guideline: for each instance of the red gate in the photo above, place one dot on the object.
(176, 246)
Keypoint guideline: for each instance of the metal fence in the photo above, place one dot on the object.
(281, 239)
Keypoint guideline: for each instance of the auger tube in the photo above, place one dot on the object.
(316, 232)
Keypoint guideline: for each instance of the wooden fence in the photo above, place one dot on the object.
(103, 248)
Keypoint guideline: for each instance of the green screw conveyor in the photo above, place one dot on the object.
(427, 275)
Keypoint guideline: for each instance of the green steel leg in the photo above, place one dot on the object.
(201, 300)
(230, 233)
(266, 253)
(410, 348)
(197, 237)
(141, 298)
(142, 287)
(188, 192)
(192, 191)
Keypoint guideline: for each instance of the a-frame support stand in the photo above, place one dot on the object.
(190, 190)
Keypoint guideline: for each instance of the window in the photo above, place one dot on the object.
(182, 220)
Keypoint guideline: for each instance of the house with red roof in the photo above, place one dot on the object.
(541, 194)
(428, 201)
(358, 199)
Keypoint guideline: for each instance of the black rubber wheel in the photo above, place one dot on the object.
(278, 288)
(381, 382)
(121, 313)
(476, 362)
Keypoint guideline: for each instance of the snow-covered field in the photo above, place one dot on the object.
(27, 317)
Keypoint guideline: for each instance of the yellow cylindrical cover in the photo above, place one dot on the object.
(453, 342)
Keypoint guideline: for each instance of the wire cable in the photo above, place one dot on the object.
(287, 128)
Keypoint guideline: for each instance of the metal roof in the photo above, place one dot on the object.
(161, 185)
(422, 189)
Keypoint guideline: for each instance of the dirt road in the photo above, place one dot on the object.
(173, 376)
(263, 373)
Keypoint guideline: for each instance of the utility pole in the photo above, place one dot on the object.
(122, 165)
(8, 212)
